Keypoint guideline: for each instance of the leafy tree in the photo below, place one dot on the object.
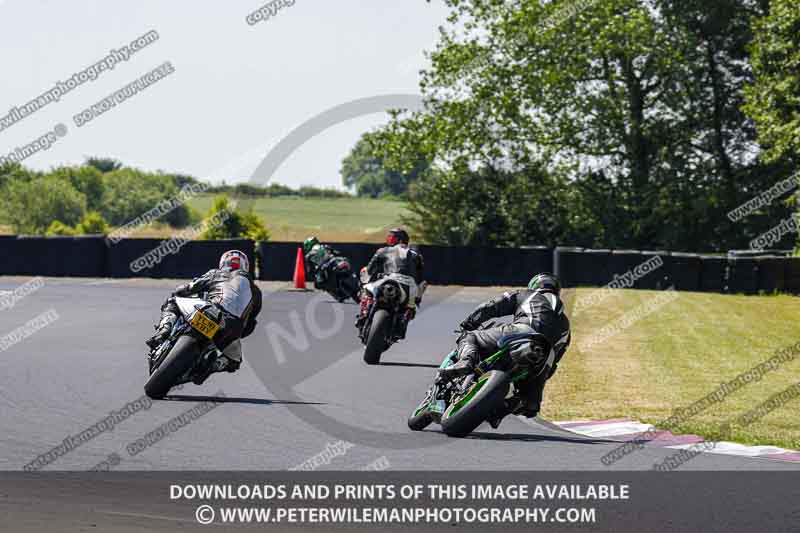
(86, 179)
(363, 169)
(636, 103)
(33, 205)
(104, 164)
(129, 193)
(92, 223)
(230, 223)
(15, 172)
(58, 228)
(773, 99)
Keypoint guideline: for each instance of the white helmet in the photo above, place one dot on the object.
(234, 260)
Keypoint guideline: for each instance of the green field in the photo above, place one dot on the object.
(291, 218)
(675, 356)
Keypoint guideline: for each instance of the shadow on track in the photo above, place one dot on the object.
(534, 438)
(409, 365)
(228, 399)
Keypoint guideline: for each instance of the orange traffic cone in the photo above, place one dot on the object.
(300, 271)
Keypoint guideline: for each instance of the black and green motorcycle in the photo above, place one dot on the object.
(464, 403)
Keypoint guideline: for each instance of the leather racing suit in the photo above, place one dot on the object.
(539, 311)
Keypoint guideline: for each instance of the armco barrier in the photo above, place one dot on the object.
(683, 271)
(94, 256)
(654, 277)
(791, 275)
(277, 260)
(53, 256)
(444, 265)
(713, 271)
(742, 275)
(193, 259)
(771, 276)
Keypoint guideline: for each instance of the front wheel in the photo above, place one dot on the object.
(421, 417)
(376, 339)
(180, 360)
(482, 399)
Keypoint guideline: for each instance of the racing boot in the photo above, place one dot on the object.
(162, 332)
(500, 414)
(462, 367)
(220, 364)
(467, 360)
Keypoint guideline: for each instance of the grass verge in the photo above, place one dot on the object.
(675, 355)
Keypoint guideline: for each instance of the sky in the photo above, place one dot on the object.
(236, 89)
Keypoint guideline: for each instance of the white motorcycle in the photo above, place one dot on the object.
(189, 350)
(387, 307)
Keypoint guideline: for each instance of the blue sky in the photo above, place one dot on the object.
(237, 89)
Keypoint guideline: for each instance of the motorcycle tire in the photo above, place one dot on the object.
(180, 360)
(484, 397)
(376, 339)
(420, 418)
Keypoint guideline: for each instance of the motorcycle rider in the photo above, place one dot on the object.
(318, 259)
(538, 309)
(229, 287)
(396, 259)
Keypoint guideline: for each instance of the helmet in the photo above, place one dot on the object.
(309, 243)
(545, 282)
(396, 235)
(235, 260)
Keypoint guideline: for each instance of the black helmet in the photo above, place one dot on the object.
(545, 282)
(396, 235)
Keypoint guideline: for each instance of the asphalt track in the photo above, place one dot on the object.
(302, 389)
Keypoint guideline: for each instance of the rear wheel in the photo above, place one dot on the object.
(376, 340)
(485, 396)
(180, 360)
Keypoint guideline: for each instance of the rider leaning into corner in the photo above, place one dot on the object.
(538, 309)
(229, 287)
(318, 257)
(398, 261)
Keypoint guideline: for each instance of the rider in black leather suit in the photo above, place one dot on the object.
(397, 258)
(538, 309)
(231, 288)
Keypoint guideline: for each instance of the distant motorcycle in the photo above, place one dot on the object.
(386, 320)
(188, 351)
(463, 404)
(337, 278)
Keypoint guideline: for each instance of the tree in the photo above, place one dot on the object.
(92, 223)
(226, 222)
(33, 205)
(636, 103)
(86, 179)
(129, 193)
(104, 164)
(59, 229)
(363, 169)
(773, 99)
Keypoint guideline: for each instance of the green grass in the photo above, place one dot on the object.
(336, 219)
(676, 355)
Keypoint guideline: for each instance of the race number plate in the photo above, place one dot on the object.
(204, 325)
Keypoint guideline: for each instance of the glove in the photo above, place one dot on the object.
(181, 291)
(468, 325)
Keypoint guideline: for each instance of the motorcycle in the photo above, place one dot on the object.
(464, 403)
(337, 279)
(188, 351)
(386, 313)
